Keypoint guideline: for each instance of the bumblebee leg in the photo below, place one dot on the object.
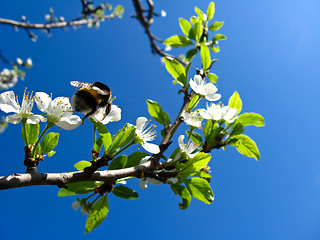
(87, 115)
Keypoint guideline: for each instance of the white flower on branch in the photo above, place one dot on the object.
(206, 90)
(113, 116)
(9, 103)
(146, 135)
(192, 119)
(144, 181)
(189, 148)
(218, 112)
(8, 78)
(59, 111)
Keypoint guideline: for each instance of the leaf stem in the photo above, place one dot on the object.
(38, 140)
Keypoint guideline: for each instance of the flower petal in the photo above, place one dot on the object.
(43, 101)
(70, 122)
(8, 102)
(143, 183)
(35, 119)
(141, 121)
(15, 118)
(150, 147)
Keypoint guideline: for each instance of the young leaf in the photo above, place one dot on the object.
(205, 56)
(245, 145)
(212, 77)
(195, 137)
(51, 153)
(200, 189)
(183, 193)
(191, 53)
(198, 29)
(49, 142)
(106, 140)
(178, 41)
(216, 26)
(77, 188)
(82, 165)
(125, 192)
(122, 138)
(32, 131)
(219, 37)
(247, 119)
(135, 158)
(200, 13)
(235, 102)
(155, 111)
(98, 144)
(195, 164)
(186, 28)
(118, 163)
(176, 70)
(100, 127)
(210, 11)
(237, 129)
(194, 101)
(97, 214)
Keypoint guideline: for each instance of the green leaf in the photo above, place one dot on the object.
(195, 137)
(200, 189)
(125, 192)
(178, 41)
(211, 130)
(167, 120)
(122, 138)
(194, 20)
(135, 158)
(118, 11)
(219, 37)
(186, 28)
(97, 214)
(215, 49)
(191, 53)
(212, 77)
(82, 165)
(194, 101)
(51, 153)
(237, 129)
(155, 111)
(195, 164)
(106, 140)
(32, 131)
(118, 163)
(247, 119)
(235, 102)
(98, 144)
(216, 26)
(210, 11)
(198, 28)
(77, 188)
(200, 13)
(183, 193)
(100, 127)
(245, 145)
(176, 70)
(205, 56)
(49, 142)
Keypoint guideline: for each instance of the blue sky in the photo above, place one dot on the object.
(270, 58)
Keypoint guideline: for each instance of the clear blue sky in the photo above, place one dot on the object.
(271, 58)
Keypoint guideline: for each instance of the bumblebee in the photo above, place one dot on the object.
(90, 97)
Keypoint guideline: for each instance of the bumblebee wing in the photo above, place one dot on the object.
(81, 84)
(101, 91)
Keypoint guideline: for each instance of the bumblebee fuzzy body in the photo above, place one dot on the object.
(90, 97)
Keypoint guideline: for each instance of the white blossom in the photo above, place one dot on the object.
(59, 111)
(28, 63)
(207, 90)
(163, 13)
(192, 119)
(167, 48)
(218, 112)
(9, 103)
(144, 181)
(146, 135)
(8, 78)
(19, 61)
(113, 116)
(189, 148)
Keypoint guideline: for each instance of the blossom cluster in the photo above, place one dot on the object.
(213, 111)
